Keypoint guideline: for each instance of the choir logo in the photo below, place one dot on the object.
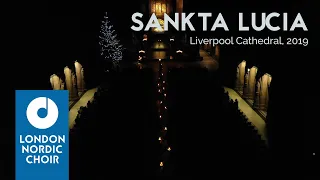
(45, 104)
(42, 134)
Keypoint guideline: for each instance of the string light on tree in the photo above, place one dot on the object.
(110, 48)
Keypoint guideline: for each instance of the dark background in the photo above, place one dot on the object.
(65, 31)
(73, 28)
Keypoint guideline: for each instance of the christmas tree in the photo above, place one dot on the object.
(110, 47)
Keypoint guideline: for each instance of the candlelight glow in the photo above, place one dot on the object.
(160, 139)
(161, 164)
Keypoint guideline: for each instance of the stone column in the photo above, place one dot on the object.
(238, 83)
(55, 82)
(242, 71)
(62, 85)
(256, 103)
(246, 84)
(265, 82)
(267, 97)
(69, 83)
(78, 68)
(82, 80)
(74, 83)
(252, 82)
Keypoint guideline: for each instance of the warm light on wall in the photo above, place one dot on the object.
(141, 51)
(179, 51)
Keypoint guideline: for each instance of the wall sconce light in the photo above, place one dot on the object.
(179, 51)
(171, 39)
(141, 51)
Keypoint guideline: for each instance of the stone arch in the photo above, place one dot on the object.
(262, 97)
(251, 83)
(55, 82)
(78, 68)
(69, 82)
(240, 76)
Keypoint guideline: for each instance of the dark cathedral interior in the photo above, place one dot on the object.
(169, 107)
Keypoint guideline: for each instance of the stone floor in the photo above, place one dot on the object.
(252, 115)
(73, 112)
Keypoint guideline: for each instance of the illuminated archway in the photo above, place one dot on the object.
(157, 30)
(240, 76)
(262, 97)
(56, 82)
(251, 83)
